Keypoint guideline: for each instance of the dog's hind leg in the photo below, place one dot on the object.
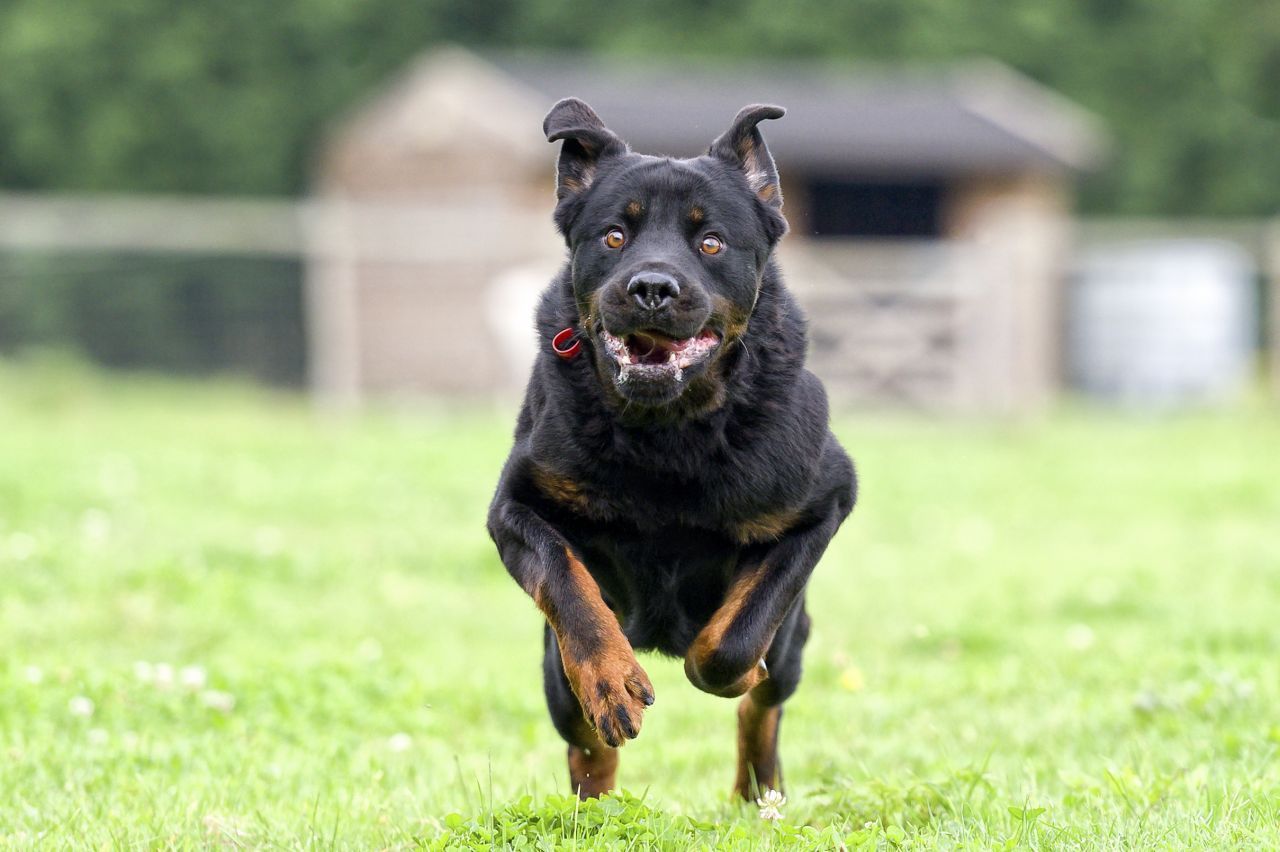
(760, 711)
(593, 766)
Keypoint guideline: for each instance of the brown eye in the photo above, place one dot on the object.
(711, 244)
(615, 238)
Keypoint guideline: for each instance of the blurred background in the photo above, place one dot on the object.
(991, 205)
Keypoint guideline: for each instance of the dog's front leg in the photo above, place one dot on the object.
(598, 660)
(727, 657)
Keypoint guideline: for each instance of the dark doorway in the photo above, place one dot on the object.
(851, 208)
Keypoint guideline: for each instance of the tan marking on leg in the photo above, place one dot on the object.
(587, 591)
(601, 669)
(592, 773)
(593, 766)
(758, 765)
(710, 637)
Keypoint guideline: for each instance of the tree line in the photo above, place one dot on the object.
(233, 96)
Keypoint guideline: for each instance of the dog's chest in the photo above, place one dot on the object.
(663, 587)
(733, 505)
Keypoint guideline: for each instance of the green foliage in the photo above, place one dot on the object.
(1059, 635)
(233, 96)
(621, 821)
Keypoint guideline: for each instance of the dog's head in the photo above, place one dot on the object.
(667, 256)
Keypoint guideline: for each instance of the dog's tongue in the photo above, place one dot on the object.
(642, 345)
(653, 348)
(650, 349)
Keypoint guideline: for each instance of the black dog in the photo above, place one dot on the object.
(674, 480)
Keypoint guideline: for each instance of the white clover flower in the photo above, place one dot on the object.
(400, 742)
(80, 706)
(193, 677)
(97, 736)
(33, 674)
(144, 671)
(770, 804)
(216, 699)
(162, 675)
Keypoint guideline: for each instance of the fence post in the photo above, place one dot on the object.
(331, 300)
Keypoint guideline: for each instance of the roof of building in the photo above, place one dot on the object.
(974, 116)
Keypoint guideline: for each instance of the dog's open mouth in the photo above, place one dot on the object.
(656, 356)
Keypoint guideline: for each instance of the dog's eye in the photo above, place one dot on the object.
(711, 244)
(615, 238)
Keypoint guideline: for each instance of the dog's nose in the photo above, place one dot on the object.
(653, 289)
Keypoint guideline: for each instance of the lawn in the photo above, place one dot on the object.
(226, 621)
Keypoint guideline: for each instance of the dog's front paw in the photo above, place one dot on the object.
(613, 691)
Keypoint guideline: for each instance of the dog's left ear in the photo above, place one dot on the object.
(743, 146)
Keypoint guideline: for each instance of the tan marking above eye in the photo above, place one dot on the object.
(615, 239)
(711, 244)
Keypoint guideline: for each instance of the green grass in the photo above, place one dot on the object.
(1054, 634)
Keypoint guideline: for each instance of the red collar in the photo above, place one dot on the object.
(564, 345)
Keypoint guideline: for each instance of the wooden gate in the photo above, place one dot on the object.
(930, 325)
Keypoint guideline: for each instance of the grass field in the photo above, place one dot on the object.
(225, 622)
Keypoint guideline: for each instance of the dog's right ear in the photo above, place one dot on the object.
(586, 143)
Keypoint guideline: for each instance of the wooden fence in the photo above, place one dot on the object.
(937, 325)
(952, 325)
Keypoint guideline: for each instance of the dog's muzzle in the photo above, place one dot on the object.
(650, 356)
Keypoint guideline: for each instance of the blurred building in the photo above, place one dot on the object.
(930, 215)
